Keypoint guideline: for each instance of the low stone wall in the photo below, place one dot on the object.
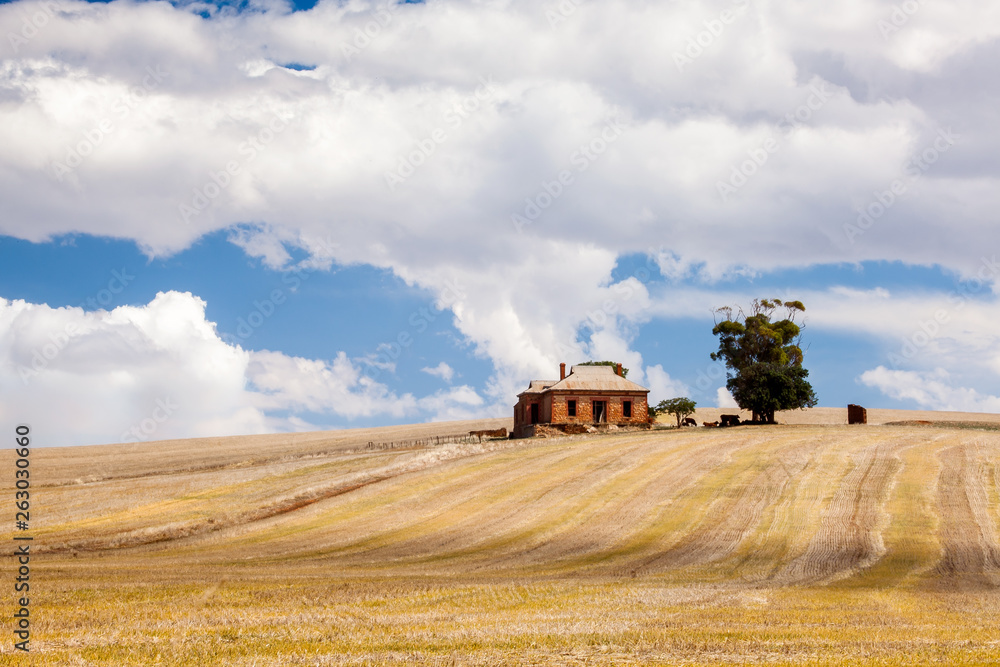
(550, 430)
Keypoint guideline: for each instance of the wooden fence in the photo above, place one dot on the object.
(429, 441)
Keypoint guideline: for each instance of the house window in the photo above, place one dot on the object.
(534, 413)
(571, 408)
(627, 409)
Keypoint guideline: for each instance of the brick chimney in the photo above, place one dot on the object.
(618, 370)
(562, 371)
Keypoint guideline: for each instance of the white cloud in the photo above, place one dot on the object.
(662, 386)
(346, 127)
(931, 390)
(161, 371)
(148, 122)
(454, 403)
(280, 382)
(442, 370)
(918, 328)
(723, 399)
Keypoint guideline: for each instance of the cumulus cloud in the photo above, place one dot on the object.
(442, 370)
(918, 328)
(311, 385)
(416, 145)
(662, 386)
(454, 403)
(723, 399)
(161, 370)
(931, 390)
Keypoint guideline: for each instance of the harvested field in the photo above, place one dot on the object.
(789, 544)
(835, 416)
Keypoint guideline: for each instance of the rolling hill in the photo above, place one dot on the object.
(404, 545)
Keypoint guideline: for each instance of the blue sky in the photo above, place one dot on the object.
(353, 309)
(273, 217)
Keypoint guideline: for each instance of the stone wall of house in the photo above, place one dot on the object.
(585, 411)
(560, 413)
(553, 409)
(639, 415)
(522, 411)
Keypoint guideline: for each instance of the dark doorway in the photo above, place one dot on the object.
(534, 413)
(600, 411)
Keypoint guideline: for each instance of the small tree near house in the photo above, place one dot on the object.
(679, 407)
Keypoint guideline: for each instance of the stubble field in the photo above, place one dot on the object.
(811, 543)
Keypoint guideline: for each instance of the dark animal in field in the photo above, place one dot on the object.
(730, 420)
(689, 422)
(495, 433)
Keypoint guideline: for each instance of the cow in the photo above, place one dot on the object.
(689, 422)
(710, 424)
(730, 420)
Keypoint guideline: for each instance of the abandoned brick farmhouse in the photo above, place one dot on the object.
(589, 395)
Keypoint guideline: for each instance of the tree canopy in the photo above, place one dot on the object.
(767, 388)
(680, 407)
(764, 358)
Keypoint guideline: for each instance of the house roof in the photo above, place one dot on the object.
(586, 378)
(538, 386)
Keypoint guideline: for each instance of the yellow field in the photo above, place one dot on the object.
(792, 544)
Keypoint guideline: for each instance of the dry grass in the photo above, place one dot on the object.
(813, 544)
(837, 416)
